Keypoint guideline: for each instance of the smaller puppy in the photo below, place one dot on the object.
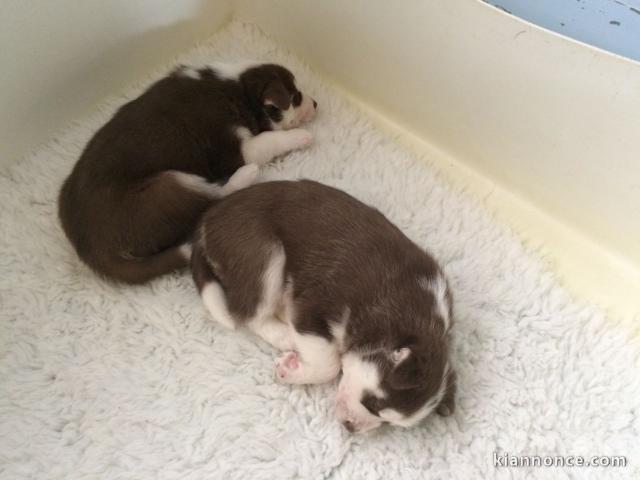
(334, 285)
(133, 198)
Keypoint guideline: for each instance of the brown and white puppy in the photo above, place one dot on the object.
(133, 198)
(334, 285)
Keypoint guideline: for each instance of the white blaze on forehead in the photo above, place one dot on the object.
(438, 287)
(190, 72)
(358, 377)
(232, 71)
(396, 418)
(295, 116)
(289, 118)
(223, 70)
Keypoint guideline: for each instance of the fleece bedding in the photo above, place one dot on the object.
(108, 381)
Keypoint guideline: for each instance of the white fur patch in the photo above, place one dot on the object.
(185, 250)
(243, 133)
(339, 329)
(264, 147)
(358, 377)
(232, 71)
(268, 322)
(319, 360)
(391, 416)
(361, 375)
(295, 116)
(273, 331)
(289, 119)
(272, 284)
(242, 178)
(215, 301)
(190, 72)
(197, 184)
(438, 287)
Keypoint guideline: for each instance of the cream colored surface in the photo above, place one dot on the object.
(545, 128)
(60, 58)
(585, 268)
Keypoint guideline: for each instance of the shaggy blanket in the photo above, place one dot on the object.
(105, 381)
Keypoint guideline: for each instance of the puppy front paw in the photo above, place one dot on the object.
(300, 138)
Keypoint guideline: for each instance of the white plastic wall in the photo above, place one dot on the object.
(59, 58)
(550, 118)
(542, 118)
(544, 128)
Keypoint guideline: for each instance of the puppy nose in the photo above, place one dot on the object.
(349, 426)
(315, 104)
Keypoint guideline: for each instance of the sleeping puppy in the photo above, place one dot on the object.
(334, 285)
(133, 198)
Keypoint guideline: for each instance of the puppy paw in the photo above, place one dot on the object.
(185, 250)
(287, 367)
(447, 407)
(300, 138)
(444, 410)
(244, 177)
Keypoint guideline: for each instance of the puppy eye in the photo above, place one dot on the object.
(296, 99)
(371, 404)
(271, 110)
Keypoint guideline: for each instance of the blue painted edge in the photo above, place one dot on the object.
(612, 25)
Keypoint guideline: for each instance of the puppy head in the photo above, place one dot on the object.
(403, 374)
(272, 89)
(400, 386)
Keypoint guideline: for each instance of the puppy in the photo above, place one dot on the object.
(334, 285)
(133, 198)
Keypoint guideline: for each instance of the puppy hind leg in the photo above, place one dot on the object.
(273, 331)
(266, 323)
(155, 224)
(211, 292)
(242, 178)
(315, 360)
(215, 302)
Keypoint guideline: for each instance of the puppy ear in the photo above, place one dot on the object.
(264, 87)
(400, 354)
(406, 372)
(276, 94)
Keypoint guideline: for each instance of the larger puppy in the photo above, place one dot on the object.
(333, 284)
(134, 196)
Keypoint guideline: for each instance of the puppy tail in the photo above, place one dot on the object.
(136, 270)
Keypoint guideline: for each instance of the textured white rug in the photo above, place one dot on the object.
(102, 381)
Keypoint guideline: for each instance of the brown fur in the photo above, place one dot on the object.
(123, 212)
(340, 254)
